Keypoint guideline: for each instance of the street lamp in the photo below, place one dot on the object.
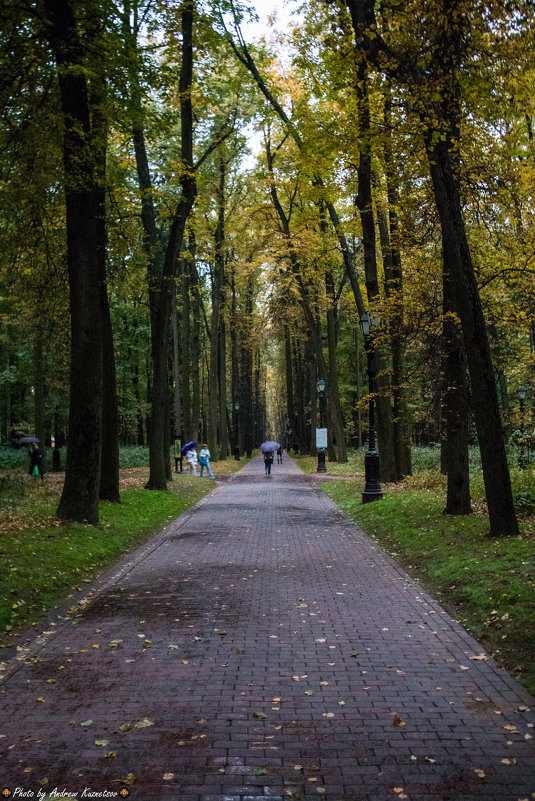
(237, 428)
(321, 432)
(372, 486)
(522, 391)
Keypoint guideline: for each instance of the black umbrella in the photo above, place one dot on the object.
(25, 440)
(187, 447)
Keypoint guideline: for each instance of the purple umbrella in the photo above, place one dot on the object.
(187, 447)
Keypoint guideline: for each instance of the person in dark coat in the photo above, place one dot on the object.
(36, 460)
(268, 461)
(279, 455)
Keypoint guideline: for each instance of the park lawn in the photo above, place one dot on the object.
(46, 561)
(488, 585)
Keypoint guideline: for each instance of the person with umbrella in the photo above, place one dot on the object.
(37, 461)
(191, 456)
(268, 449)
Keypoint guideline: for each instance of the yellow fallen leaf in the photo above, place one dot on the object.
(42, 700)
(480, 773)
(398, 721)
(328, 714)
(168, 776)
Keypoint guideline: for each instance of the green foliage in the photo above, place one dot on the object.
(13, 458)
(133, 456)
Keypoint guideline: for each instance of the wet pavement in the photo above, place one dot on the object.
(262, 647)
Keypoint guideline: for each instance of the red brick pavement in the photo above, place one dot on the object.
(262, 647)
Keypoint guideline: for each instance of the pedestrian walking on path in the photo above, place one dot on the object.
(268, 461)
(204, 461)
(191, 459)
(262, 646)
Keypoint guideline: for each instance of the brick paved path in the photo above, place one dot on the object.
(263, 647)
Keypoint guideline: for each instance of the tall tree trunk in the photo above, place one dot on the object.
(458, 264)
(39, 389)
(341, 451)
(157, 437)
(456, 403)
(79, 499)
(394, 290)
(247, 413)
(185, 347)
(177, 400)
(222, 383)
(195, 342)
(364, 203)
(235, 364)
(109, 469)
(290, 405)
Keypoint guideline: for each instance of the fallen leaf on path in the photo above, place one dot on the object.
(87, 723)
(142, 724)
(102, 742)
(480, 773)
(168, 776)
(398, 721)
(260, 715)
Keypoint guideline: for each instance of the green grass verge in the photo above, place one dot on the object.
(45, 561)
(488, 585)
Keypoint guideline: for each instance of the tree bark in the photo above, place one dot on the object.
(79, 499)
(365, 206)
(456, 403)
(458, 263)
(157, 436)
(195, 341)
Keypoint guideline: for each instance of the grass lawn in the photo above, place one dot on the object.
(45, 561)
(486, 584)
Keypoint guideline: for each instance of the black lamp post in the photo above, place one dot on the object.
(522, 391)
(372, 486)
(237, 429)
(320, 386)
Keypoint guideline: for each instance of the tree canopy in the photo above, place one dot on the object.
(197, 224)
